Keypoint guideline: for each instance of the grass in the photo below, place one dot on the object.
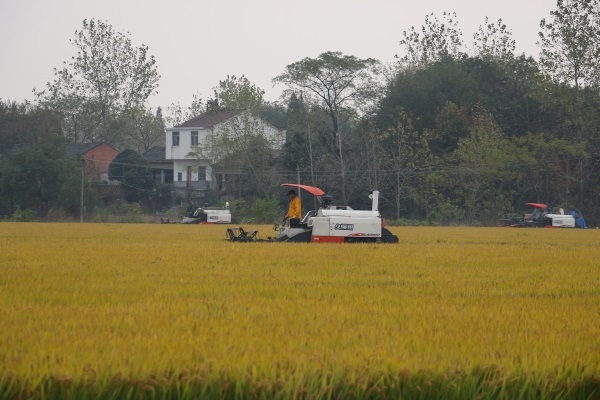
(176, 311)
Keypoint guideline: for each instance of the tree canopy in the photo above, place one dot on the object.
(239, 94)
(570, 43)
(106, 79)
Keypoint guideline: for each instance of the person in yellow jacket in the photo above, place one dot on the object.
(295, 210)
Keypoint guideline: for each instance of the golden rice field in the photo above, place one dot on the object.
(176, 311)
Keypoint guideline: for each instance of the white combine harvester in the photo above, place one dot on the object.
(207, 215)
(329, 224)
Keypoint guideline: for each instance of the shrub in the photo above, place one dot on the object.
(26, 215)
(239, 210)
(132, 213)
(265, 211)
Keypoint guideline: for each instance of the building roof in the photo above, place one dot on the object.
(209, 119)
(75, 150)
(156, 155)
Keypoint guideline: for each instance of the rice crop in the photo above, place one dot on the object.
(176, 311)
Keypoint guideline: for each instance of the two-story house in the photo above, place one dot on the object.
(188, 145)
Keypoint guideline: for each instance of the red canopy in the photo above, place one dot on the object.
(310, 189)
(537, 205)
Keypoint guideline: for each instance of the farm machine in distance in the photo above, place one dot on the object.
(543, 217)
(206, 215)
(328, 224)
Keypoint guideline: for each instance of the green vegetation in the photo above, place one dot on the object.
(456, 132)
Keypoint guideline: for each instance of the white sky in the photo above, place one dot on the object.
(197, 43)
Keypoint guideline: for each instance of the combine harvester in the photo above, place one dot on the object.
(208, 215)
(542, 217)
(328, 224)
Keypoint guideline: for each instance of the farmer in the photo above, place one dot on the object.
(295, 210)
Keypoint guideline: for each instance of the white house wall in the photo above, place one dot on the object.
(185, 142)
(181, 167)
(180, 160)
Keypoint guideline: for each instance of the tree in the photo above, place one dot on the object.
(306, 140)
(515, 96)
(239, 94)
(451, 125)
(423, 92)
(70, 192)
(107, 77)
(493, 41)
(34, 176)
(570, 43)
(241, 149)
(435, 41)
(552, 169)
(406, 154)
(134, 174)
(142, 129)
(25, 123)
(7, 194)
(178, 114)
(485, 163)
(339, 82)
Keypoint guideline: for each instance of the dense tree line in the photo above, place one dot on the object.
(454, 132)
(35, 172)
(460, 136)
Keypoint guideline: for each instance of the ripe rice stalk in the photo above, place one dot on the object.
(143, 310)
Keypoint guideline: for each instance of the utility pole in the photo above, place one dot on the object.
(298, 179)
(81, 199)
(338, 137)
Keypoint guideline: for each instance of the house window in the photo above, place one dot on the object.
(194, 138)
(201, 173)
(180, 176)
(221, 181)
(175, 138)
(168, 175)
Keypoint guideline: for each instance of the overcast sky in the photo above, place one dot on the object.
(197, 43)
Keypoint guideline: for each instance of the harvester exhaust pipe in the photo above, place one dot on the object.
(374, 195)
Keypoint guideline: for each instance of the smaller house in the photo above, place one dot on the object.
(98, 157)
(162, 169)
